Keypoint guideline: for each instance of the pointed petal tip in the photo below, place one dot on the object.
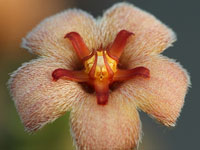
(70, 35)
(79, 45)
(144, 72)
(125, 33)
(102, 98)
(119, 43)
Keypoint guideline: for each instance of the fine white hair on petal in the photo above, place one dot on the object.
(162, 95)
(113, 126)
(47, 38)
(40, 100)
(150, 34)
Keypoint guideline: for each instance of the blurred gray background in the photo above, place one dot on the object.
(20, 16)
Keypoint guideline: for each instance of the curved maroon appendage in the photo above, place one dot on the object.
(79, 46)
(122, 75)
(102, 92)
(78, 76)
(119, 43)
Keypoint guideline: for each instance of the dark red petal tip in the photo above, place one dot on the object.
(102, 92)
(102, 98)
(119, 43)
(79, 46)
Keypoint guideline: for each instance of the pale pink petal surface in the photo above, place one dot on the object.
(162, 95)
(113, 126)
(47, 39)
(151, 35)
(38, 98)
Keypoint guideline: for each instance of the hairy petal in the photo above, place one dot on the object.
(162, 95)
(115, 125)
(39, 99)
(47, 39)
(151, 36)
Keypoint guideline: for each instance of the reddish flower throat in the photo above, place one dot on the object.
(100, 66)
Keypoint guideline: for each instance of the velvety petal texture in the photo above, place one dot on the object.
(113, 126)
(162, 95)
(47, 39)
(38, 98)
(151, 35)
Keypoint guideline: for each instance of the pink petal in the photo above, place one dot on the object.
(39, 99)
(162, 95)
(47, 39)
(151, 35)
(115, 125)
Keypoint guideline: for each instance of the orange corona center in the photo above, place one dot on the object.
(102, 63)
(100, 67)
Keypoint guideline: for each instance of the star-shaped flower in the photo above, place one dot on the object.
(102, 70)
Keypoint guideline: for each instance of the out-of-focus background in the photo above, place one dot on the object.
(17, 17)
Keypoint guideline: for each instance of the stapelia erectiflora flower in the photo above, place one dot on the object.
(102, 70)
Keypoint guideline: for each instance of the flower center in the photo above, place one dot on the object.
(103, 61)
(100, 67)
